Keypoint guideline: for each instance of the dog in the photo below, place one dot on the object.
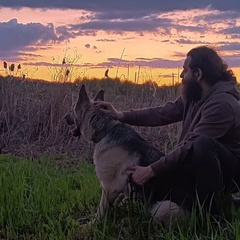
(118, 147)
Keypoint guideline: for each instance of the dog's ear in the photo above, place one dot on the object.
(99, 96)
(83, 97)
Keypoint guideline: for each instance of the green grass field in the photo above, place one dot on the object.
(40, 200)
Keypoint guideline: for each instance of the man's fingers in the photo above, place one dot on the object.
(98, 104)
(132, 168)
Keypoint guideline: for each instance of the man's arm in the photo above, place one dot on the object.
(156, 116)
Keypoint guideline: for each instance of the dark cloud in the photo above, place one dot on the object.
(234, 46)
(165, 41)
(151, 24)
(17, 56)
(188, 41)
(124, 5)
(122, 15)
(106, 40)
(143, 62)
(180, 55)
(232, 60)
(232, 30)
(117, 62)
(219, 17)
(87, 45)
(17, 37)
(119, 17)
(184, 41)
(64, 33)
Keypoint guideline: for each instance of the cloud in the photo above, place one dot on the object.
(188, 41)
(117, 62)
(184, 41)
(219, 16)
(231, 31)
(124, 5)
(234, 46)
(17, 37)
(122, 17)
(141, 24)
(143, 62)
(64, 33)
(106, 40)
(153, 23)
(157, 63)
(232, 60)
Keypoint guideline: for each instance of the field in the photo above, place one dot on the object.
(32, 114)
(42, 200)
(48, 186)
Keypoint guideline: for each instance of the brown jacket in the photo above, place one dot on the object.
(216, 115)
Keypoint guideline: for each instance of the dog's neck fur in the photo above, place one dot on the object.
(103, 131)
(98, 137)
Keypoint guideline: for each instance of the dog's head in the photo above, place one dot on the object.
(81, 116)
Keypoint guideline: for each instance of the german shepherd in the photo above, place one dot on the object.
(118, 147)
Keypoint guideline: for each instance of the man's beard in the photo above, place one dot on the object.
(192, 91)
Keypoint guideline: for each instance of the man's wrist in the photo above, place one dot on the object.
(151, 172)
(120, 116)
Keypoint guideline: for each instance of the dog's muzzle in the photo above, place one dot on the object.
(70, 121)
(76, 132)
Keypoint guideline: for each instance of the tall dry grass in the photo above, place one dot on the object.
(32, 114)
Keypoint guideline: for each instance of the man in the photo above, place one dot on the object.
(206, 160)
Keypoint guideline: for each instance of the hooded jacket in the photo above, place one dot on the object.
(216, 115)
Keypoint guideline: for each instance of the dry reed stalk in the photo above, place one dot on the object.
(32, 115)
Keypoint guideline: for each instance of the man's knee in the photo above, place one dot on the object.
(204, 147)
(202, 143)
(205, 155)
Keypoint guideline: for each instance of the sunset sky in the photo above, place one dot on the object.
(139, 40)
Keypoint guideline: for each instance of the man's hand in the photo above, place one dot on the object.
(110, 109)
(141, 175)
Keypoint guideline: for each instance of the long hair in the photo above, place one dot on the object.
(214, 69)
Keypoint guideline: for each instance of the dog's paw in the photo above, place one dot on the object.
(83, 232)
(86, 223)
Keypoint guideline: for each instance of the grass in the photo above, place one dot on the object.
(40, 200)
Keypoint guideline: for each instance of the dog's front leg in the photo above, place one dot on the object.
(103, 205)
(107, 199)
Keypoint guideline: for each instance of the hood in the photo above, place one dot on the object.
(229, 87)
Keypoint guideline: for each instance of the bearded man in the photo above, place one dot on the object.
(206, 160)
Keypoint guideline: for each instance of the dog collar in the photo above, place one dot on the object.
(104, 132)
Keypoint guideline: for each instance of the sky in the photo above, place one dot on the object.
(137, 40)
